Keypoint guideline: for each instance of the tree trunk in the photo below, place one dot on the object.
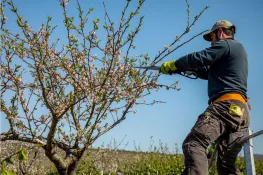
(72, 168)
(60, 164)
(61, 171)
(66, 171)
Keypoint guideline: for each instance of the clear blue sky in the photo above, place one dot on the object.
(165, 19)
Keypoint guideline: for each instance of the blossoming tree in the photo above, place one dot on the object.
(67, 98)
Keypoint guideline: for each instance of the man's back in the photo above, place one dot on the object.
(229, 72)
(228, 67)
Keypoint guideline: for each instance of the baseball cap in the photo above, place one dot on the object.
(219, 24)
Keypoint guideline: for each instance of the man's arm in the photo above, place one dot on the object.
(203, 72)
(203, 58)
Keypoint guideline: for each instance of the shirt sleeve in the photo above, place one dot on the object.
(203, 58)
(203, 72)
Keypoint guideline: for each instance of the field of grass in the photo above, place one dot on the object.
(109, 161)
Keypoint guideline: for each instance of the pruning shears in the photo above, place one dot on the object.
(186, 73)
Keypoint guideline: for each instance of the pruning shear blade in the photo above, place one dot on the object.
(150, 67)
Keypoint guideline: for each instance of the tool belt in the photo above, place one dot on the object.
(234, 96)
(231, 96)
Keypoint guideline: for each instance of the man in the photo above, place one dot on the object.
(225, 66)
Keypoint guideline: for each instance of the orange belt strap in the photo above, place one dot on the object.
(231, 96)
(234, 96)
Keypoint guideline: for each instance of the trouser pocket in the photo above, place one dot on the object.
(207, 128)
(233, 113)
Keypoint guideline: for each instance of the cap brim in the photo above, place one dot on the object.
(207, 36)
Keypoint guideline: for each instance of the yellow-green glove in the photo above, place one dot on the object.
(168, 67)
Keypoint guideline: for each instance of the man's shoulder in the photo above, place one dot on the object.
(231, 41)
(234, 44)
(221, 44)
(228, 43)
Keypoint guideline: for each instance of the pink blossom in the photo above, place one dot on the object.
(156, 73)
(92, 67)
(122, 20)
(8, 57)
(119, 52)
(166, 47)
(12, 118)
(65, 2)
(42, 119)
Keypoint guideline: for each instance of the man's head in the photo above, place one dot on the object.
(221, 30)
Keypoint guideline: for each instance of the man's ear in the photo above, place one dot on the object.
(220, 33)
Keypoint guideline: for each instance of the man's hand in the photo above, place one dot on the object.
(168, 67)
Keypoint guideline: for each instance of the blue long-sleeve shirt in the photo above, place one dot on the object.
(224, 65)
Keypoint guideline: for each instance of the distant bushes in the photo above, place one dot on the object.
(114, 162)
(158, 160)
(145, 163)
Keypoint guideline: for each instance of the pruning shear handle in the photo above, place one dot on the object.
(188, 73)
(192, 74)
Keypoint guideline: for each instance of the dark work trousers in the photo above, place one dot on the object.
(224, 122)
